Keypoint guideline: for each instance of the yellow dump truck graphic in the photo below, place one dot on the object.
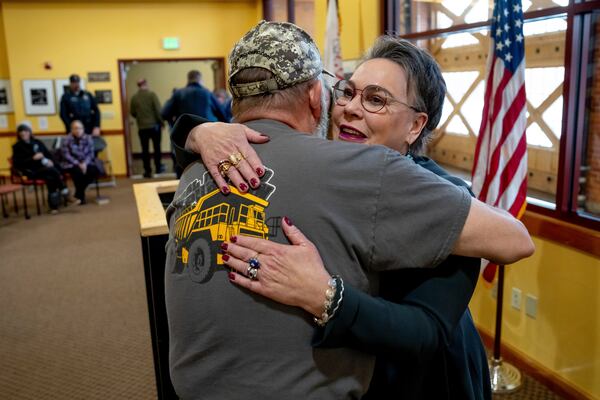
(211, 220)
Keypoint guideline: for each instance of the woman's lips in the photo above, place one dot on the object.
(350, 134)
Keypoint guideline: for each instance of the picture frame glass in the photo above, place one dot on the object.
(38, 95)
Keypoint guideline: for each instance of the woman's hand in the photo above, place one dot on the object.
(216, 141)
(289, 274)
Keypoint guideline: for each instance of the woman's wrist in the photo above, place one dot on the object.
(334, 295)
(315, 298)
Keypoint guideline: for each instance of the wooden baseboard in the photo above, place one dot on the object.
(526, 364)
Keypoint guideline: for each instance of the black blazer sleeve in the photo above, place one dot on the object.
(411, 328)
(179, 134)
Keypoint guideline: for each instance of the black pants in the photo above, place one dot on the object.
(54, 183)
(82, 180)
(146, 135)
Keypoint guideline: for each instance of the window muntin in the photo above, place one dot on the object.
(427, 15)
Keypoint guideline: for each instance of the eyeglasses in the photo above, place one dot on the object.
(373, 98)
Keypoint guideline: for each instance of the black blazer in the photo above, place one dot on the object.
(419, 328)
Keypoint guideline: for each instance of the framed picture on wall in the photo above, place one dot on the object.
(38, 95)
(61, 85)
(6, 103)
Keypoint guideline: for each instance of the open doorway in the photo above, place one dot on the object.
(163, 76)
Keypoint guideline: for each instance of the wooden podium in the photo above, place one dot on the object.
(151, 200)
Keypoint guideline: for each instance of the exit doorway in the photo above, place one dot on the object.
(163, 77)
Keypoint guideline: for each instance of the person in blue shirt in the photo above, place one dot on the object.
(193, 99)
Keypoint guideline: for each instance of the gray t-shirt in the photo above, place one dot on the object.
(360, 205)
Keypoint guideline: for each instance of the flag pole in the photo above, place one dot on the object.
(505, 378)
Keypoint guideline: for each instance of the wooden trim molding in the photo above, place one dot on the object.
(565, 233)
(113, 132)
(526, 364)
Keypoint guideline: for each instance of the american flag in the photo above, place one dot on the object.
(500, 165)
(333, 51)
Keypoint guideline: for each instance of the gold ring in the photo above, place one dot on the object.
(236, 158)
(224, 166)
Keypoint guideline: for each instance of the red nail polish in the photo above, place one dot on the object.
(231, 276)
(224, 246)
(225, 257)
(233, 239)
(243, 187)
(288, 221)
(260, 171)
(253, 182)
(225, 190)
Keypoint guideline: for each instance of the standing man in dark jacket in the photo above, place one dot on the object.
(78, 104)
(145, 108)
(194, 99)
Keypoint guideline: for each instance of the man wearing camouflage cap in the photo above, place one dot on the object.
(360, 205)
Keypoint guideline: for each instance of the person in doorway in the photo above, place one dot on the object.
(145, 108)
(77, 155)
(194, 99)
(225, 101)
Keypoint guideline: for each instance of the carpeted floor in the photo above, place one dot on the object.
(73, 314)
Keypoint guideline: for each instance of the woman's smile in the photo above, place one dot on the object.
(350, 134)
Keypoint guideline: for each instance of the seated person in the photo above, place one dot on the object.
(77, 153)
(32, 159)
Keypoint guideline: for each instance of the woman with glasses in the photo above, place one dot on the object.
(419, 327)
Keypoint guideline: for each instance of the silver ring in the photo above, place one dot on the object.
(252, 272)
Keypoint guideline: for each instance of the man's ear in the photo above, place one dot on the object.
(314, 99)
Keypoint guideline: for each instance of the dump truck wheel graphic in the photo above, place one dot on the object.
(171, 249)
(200, 267)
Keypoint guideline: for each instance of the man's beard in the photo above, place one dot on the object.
(323, 125)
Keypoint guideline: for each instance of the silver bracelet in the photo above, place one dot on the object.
(340, 286)
(336, 289)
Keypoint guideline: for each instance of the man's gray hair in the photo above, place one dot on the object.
(426, 87)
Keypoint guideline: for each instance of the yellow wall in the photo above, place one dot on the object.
(5, 142)
(565, 336)
(91, 37)
(360, 25)
(3, 60)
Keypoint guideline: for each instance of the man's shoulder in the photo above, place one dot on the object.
(336, 157)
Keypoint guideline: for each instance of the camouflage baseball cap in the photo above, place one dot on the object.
(282, 48)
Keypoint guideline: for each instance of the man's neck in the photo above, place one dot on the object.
(296, 122)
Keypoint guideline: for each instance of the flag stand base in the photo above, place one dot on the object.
(504, 377)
